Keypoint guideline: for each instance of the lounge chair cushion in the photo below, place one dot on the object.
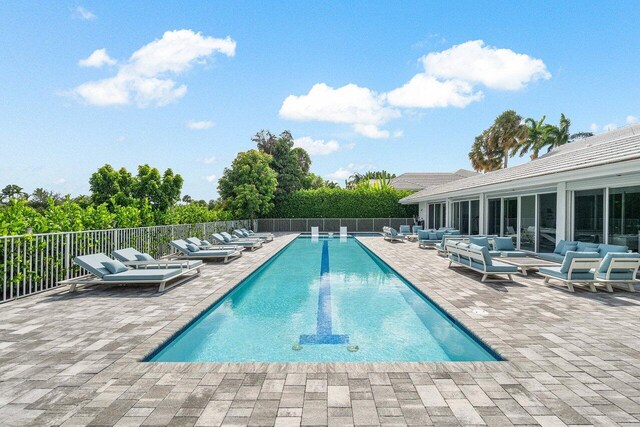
(556, 272)
(484, 253)
(205, 243)
(569, 247)
(603, 249)
(144, 257)
(157, 274)
(192, 247)
(560, 245)
(606, 262)
(496, 267)
(462, 245)
(434, 236)
(503, 244)
(480, 241)
(114, 266)
(405, 229)
(550, 256)
(587, 247)
(214, 252)
(126, 254)
(616, 276)
(416, 228)
(93, 264)
(570, 256)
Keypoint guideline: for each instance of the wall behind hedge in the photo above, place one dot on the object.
(341, 203)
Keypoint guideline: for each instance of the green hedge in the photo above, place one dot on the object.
(340, 203)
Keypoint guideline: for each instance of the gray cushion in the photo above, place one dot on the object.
(114, 266)
(606, 262)
(484, 253)
(560, 245)
(126, 254)
(570, 256)
(616, 276)
(192, 247)
(144, 257)
(205, 243)
(587, 247)
(480, 241)
(603, 249)
(158, 274)
(93, 264)
(503, 244)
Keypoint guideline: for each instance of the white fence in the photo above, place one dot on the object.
(33, 263)
(330, 224)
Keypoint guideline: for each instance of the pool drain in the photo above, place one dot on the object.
(296, 347)
(353, 348)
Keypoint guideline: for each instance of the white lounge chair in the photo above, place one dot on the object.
(191, 251)
(391, 235)
(132, 257)
(227, 239)
(315, 232)
(619, 270)
(577, 269)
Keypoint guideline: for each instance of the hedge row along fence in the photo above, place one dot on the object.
(32, 263)
(341, 203)
(330, 224)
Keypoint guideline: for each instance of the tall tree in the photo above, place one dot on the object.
(484, 155)
(111, 187)
(559, 135)
(39, 199)
(492, 149)
(12, 191)
(248, 186)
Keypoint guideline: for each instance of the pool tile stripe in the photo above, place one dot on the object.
(323, 322)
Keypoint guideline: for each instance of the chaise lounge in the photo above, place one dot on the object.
(191, 251)
(577, 269)
(619, 270)
(391, 235)
(104, 270)
(132, 257)
(227, 239)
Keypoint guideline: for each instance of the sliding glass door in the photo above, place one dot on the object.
(510, 223)
(588, 216)
(474, 217)
(547, 222)
(494, 216)
(528, 223)
(624, 217)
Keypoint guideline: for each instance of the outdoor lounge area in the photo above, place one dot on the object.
(567, 360)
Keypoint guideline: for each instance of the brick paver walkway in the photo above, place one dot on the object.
(74, 359)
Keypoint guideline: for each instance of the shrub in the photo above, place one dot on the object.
(340, 203)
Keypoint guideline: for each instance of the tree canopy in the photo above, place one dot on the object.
(249, 185)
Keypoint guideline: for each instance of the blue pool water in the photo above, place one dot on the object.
(323, 300)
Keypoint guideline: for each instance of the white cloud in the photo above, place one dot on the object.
(610, 126)
(398, 134)
(340, 175)
(449, 79)
(59, 181)
(371, 131)
(594, 127)
(350, 104)
(317, 146)
(424, 91)
(85, 14)
(199, 125)
(97, 59)
(209, 160)
(344, 173)
(474, 62)
(143, 78)
(631, 119)
(209, 178)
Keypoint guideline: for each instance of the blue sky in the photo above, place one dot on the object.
(401, 86)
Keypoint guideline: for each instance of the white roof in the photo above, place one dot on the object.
(418, 181)
(610, 147)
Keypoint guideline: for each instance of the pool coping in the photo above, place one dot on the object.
(134, 360)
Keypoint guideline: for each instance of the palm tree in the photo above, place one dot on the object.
(538, 133)
(559, 135)
(492, 149)
(484, 156)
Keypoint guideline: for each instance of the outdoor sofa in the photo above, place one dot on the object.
(478, 258)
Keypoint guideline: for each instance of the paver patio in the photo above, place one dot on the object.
(74, 359)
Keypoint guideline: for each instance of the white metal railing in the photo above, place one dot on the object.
(330, 224)
(33, 263)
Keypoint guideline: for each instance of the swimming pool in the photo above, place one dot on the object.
(323, 300)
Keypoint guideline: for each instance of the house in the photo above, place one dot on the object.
(588, 190)
(420, 181)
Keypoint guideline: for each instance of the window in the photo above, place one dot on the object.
(589, 216)
(431, 217)
(495, 206)
(510, 217)
(474, 217)
(528, 223)
(624, 217)
(456, 215)
(547, 222)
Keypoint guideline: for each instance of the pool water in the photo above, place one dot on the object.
(323, 300)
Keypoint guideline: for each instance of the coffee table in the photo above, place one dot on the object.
(527, 263)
